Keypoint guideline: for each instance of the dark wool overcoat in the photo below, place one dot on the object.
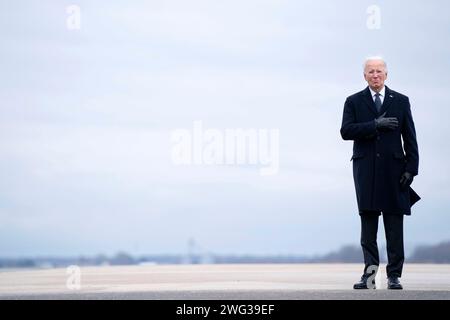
(379, 157)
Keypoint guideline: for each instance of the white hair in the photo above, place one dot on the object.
(376, 58)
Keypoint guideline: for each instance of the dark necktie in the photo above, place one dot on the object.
(377, 102)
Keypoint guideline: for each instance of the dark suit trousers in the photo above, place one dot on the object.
(393, 226)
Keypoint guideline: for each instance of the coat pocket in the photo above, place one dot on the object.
(357, 155)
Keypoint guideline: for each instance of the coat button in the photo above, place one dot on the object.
(378, 155)
(378, 138)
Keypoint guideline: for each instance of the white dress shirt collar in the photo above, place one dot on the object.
(382, 92)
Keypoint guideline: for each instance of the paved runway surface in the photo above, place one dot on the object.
(221, 282)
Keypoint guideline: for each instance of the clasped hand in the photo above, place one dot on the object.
(406, 179)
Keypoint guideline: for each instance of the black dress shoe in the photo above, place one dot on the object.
(394, 283)
(362, 284)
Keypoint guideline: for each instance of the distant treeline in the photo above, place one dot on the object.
(439, 253)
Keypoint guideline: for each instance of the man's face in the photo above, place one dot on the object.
(375, 74)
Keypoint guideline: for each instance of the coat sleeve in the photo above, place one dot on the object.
(410, 142)
(352, 130)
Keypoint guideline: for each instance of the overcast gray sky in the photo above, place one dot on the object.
(86, 117)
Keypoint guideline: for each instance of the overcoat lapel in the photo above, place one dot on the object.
(367, 98)
(388, 98)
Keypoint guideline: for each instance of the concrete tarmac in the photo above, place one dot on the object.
(221, 282)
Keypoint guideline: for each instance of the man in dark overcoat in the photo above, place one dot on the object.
(377, 119)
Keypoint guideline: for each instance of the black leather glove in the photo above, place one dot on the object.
(386, 123)
(406, 180)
